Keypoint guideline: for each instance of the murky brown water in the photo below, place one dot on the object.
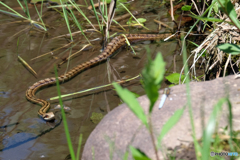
(26, 136)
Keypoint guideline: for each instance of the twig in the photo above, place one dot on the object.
(74, 33)
(196, 7)
(226, 64)
(152, 138)
(161, 23)
(111, 14)
(85, 46)
(87, 90)
(52, 51)
(27, 65)
(171, 3)
(95, 5)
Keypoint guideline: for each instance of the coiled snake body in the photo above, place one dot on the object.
(115, 44)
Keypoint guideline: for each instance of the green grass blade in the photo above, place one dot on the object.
(207, 135)
(209, 14)
(67, 21)
(132, 103)
(86, 3)
(138, 155)
(79, 26)
(79, 146)
(20, 4)
(44, 27)
(189, 105)
(169, 124)
(230, 118)
(105, 7)
(118, 24)
(64, 117)
(80, 11)
(93, 153)
(12, 14)
(66, 5)
(208, 19)
(95, 13)
(91, 89)
(128, 43)
(27, 10)
(17, 14)
(39, 26)
(41, 7)
(17, 45)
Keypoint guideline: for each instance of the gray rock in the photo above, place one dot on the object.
(120, 128)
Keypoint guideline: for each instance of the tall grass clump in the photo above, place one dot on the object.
(25, 9)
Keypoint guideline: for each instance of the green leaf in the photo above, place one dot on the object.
(229, 8)
(108, 1)
(67, 133)
(215, 7)
(141, 20)
(119, 1)
(170, 123)
(208, 19)
(229, 48)
(186, 8)
(136, 95)
(153, 74)
(174, 78)
(129, 98)
(131, 22)
(193, 43)
(56, 1)
(120, 8)
(203, 54)
(138, 155)
(125, 157)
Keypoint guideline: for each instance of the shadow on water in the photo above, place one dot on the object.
(21, 138)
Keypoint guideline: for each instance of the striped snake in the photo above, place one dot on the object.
(115, 44)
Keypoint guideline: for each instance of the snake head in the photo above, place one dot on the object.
(48, 116)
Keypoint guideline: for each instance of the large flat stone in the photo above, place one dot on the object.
(120, 128)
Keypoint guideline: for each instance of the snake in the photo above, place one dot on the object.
(109, 50)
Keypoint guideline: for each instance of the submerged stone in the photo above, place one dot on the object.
(96, 117)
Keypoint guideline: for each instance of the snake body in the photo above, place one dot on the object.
(115, 44)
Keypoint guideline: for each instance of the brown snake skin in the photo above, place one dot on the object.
(115, 44)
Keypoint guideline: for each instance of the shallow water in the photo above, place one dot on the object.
(23, 133)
